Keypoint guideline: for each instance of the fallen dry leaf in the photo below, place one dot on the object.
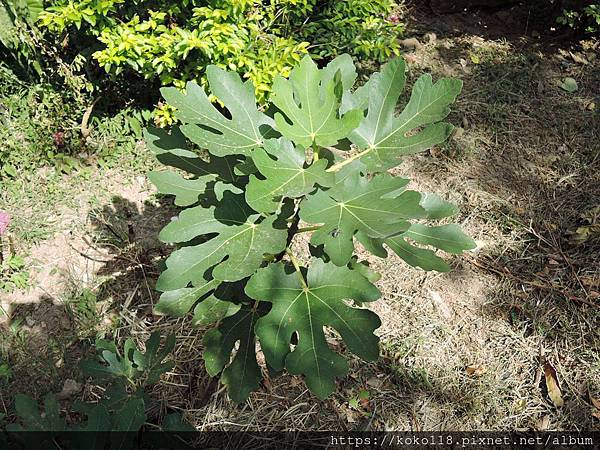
(579, 58)
(582, 234)
(553, 386)
(374, 382)
(440, 304)
(475, 370)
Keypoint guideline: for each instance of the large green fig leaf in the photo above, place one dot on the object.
(449, 238)
(28, 412)
(242, 375)
(209, 310)
(384, 137)
(378, 208)
(311, 107)
(235, 252)
(305, 308)
(206, 126)
(286, 175)
(186, 191)
(171, 149)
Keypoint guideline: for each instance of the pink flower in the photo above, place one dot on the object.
(4, 221)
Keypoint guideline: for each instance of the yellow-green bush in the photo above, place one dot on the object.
(174, 41)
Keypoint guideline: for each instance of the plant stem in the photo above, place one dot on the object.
(292, 230)
(297, 267)
(305, 229)
(315, 148)
(345, 162)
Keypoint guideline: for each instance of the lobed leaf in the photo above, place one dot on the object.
(304, 308)
(286, 175)
(311, 107)
(379, 208)
(235, 252)
(385, 137)
(206, 126)
(242, 375)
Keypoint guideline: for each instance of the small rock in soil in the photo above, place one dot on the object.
(411, 43)
(70, 388)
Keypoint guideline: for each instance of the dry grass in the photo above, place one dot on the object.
(525, 172)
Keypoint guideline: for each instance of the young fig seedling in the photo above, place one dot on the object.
(267, 179)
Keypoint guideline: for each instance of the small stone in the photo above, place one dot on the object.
(70, 388)
(411, 43)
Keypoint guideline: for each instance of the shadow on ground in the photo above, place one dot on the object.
(525, 162)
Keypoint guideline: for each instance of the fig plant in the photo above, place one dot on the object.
(317, 163)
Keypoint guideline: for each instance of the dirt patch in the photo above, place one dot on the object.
(73, 256)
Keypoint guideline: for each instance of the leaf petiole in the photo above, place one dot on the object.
(307, 229)
(315, 148)
(296, 264)
(347, 161)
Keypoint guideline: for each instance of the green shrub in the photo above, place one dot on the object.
(588, 18)
(17, 34)
(121, 408)
(365, 29)
(267, 180)
(175, 41)
(38, 125)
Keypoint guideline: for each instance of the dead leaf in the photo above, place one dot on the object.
(440, 304)
(351, 416)
(410, 58)
(458, 132)
(552, 385)
(594, 401)
(540, 87)
(374, 382)
(411, 43)
(583, 234)
(590, 281)
(476, 370)
(579, 58)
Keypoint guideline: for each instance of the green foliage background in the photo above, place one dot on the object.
(174, 41)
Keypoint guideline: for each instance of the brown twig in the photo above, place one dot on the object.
(85, 130)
